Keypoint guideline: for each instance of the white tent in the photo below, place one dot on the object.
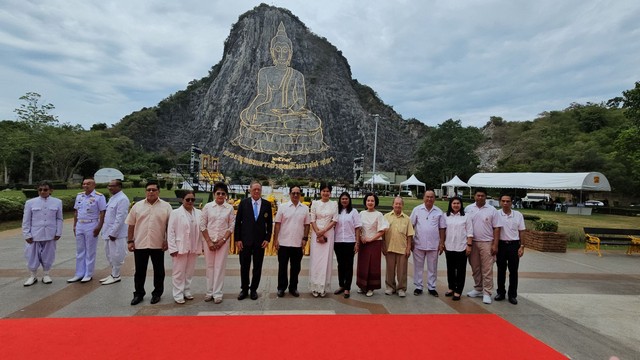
(452, 184)
(377, 179)
(413, 181)
(105, 175)
(588, 181)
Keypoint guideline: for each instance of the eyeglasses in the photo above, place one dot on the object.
(295, 193)
(220, 193)
(152, 190)
(190, 199)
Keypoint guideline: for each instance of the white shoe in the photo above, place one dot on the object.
(315, 294)
(370, 293)
(402, 293)
(86, 279)
(74, 279)
(30, 281)
(188, 297)
(208, 298)
(105, 279)
(111, 280)
(360, 291)
(388, 292)
(486, 299)
(180, 301)
(46, 279)
(474, 293)
(217, 300)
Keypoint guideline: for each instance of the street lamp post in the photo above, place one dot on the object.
(375, 148)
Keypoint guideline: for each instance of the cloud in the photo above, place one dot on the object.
(434, 60)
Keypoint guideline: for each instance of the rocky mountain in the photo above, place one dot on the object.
(302, 114)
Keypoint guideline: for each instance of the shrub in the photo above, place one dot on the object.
(169, 185)
(30, 193)
(68, 201)
(136, 182)
(546, 225)
(127, 184)
(11, 209)
(531, 217)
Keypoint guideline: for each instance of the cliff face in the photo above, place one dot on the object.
(208, 112)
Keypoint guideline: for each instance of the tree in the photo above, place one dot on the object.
(448, 150)
(37, 119)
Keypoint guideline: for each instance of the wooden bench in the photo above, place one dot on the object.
(175, 202)
(594, 237)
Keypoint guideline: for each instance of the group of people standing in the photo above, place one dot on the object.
(478, 232)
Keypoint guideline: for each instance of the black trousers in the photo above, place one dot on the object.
(141, 258)
(507, 257)
(344, 256)
(456, 270)
(286, 255)
(253, 253)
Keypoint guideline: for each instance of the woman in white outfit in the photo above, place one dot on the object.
(324, 214)
(183, 237)
(217, 224)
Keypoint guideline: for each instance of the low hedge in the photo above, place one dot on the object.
(11, 209)
(546, 225)
(531, 217)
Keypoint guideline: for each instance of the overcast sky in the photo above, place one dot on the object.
(98, 61)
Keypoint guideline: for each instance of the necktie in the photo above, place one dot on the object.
(255, 210)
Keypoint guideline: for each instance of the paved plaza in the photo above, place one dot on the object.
(582, 305)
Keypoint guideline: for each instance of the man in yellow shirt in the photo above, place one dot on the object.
(397, 248)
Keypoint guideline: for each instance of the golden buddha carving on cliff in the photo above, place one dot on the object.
(277, 121)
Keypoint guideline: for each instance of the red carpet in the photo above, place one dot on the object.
(271, 337)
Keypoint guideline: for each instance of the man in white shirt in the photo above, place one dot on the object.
(290, 237)
(486, 233)
(114, 231)
(429, 225)
(510, 249)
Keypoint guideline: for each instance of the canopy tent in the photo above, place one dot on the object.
(377, 179)
(452, 184)
(413, 181)
(105, 175)
(587, 181)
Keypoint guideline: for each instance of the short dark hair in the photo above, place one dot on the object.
(186, 192)
(364, 201)
(324, 185)
(46, 183)
(152, 182)
(480, 190)
(118, 182)
(349, 206)
(295, 186)
(450, 209)
(509, 195)
(220, 186)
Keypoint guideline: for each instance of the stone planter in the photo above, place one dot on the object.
(546, 241)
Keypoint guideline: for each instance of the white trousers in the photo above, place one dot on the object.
(216, 262)
(86, 248)
(419, 257)
(116, 251)
(184, 265)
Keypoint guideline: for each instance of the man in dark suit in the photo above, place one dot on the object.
(254, 224)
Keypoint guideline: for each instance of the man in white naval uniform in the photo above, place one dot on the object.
(41, 228)
(87, 221)
(114, 230)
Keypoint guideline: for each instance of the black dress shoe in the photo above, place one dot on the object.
(280, 293)
(417, 292)
(433, 293)
(514, 301)
(136, 300)
(347, 295)
(294, 292)
(155, 299)
(254, 295)
(339, 291)
(242, 295)
(500, 297)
